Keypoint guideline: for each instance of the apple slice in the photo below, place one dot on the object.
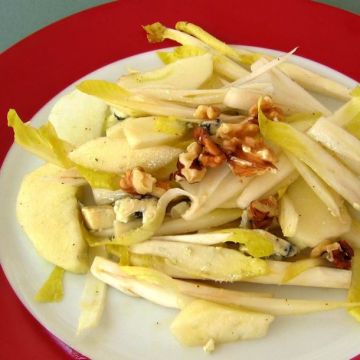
(116, 131)
(78, 118)
(315, 222)
(188, 73)
(203, 321)
(116, 156)
(152, 131)
(48, 212)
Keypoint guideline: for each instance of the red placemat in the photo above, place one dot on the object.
(37, 68)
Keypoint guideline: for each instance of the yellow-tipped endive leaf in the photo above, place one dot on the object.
(300, 266)
(119, 98)
(45, 143)
(52, 290)
(207, 262)
(180, 52)
(137, 281)
(241, 56)
(42, 142)
(223, 65)
(257, 243)
(99, 179)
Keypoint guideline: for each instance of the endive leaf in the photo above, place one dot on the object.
(99, 179)
(42, 142)
(300, 266)
(336, 139)
(207, 262)
(117, 97)
(180, 52)
(52, 290)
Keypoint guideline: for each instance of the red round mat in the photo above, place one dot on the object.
(37, 68)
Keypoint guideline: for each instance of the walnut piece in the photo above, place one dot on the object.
(126, 183)
(320, 249)
(206, 112)
(338, 253)
(139, 182)
(212, 155)
(189, 166)
(160, 188)
(199, 155)
(242, 130)
(263, 213)
(271, 111)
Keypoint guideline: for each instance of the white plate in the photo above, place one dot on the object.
(134, 328)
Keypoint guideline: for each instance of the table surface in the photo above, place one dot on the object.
(19, 18)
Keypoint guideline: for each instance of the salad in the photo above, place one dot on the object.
(219, 167)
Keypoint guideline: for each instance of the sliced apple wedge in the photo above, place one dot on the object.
(188, 73)
(202, 321)
(78, 118)
(152, 131)
(116, 131)
(315, 222)
(48, 212)
(116, 156)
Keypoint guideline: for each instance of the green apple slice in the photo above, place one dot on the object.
(152, 131)
(48, 212)
(78, 118)
(116, 156)
(201, 321)
(315, 221)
